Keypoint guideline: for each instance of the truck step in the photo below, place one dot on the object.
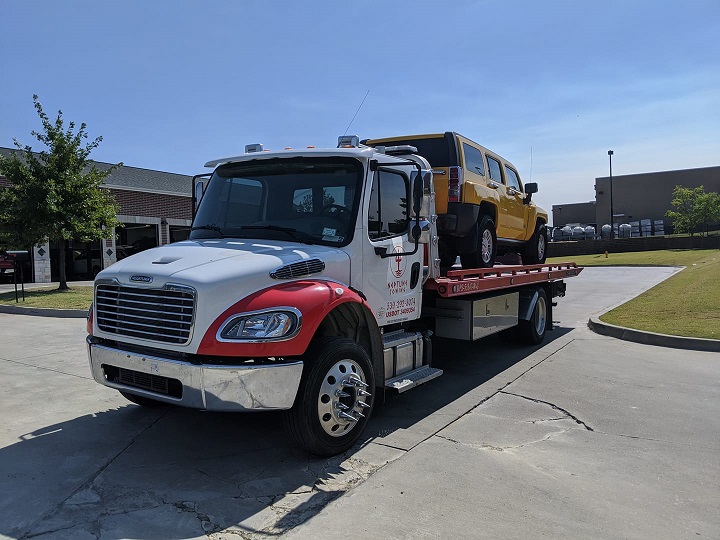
(413, 378)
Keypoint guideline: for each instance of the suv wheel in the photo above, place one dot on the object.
(536, 248)
(485, 248)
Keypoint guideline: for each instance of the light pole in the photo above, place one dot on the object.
(612, 213)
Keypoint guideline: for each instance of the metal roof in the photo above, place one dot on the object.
(137, 179)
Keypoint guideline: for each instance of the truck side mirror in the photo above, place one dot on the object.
(416, 181)
(198, 188)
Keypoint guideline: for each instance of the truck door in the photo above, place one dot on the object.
(516, 206)
(392, 278)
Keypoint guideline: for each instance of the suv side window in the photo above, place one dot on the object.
(387, 215)
(512, 178)
(473, 159)
(494, 166)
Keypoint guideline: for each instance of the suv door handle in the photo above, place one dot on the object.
(493, 185)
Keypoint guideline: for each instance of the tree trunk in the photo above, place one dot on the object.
(61, 268)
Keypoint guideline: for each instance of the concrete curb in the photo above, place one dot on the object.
(651, 338)
(45, 312)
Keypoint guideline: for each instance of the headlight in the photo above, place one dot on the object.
(266, 325)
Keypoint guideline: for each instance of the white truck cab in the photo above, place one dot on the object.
(300, 288)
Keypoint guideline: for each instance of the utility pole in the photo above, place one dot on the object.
(612, 213)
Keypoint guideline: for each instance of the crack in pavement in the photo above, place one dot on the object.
(569, 415)
(499, 390)
(503, 448)
(43, 368)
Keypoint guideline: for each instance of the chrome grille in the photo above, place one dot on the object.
(165, 315)
(298, 269)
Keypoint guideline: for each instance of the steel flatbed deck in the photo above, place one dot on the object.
(461, 282)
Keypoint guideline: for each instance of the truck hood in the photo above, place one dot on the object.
(206, 262)
(222, 271)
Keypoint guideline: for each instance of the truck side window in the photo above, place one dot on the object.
(494, 166)
(387, 215)
(473, 159)
(512, 178)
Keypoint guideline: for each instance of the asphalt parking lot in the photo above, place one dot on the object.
(585, 437)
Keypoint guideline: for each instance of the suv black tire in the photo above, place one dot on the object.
(485, 247)
(535, 251)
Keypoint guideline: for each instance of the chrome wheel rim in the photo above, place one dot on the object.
(486, 246)
(540, 315)
(541, 247)
(343, 397)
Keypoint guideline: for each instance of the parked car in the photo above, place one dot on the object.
(80, 262)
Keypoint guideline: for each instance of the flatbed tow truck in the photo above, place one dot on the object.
(311, 283)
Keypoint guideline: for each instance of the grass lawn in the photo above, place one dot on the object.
(687, 304)
(74, 298)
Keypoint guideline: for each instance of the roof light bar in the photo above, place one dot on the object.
(348, 141)
(251, 148)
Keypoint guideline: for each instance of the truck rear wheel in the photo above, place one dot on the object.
(485, 248)
(334, 400)
(533, 331)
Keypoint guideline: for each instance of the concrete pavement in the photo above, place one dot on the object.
(585, 437)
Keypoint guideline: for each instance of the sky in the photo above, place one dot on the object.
(549, 85)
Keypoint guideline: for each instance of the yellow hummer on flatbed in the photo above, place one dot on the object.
(483, 207)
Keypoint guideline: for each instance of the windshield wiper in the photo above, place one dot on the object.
(210, 227)
(294, 233)
(206, 228)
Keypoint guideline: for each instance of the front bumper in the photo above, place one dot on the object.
(207, 387)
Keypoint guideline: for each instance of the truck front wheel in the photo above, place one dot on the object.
(334, 400)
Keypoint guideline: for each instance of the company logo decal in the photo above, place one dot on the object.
(141, 279)
(399, 263)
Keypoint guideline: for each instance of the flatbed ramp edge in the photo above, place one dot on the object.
(461, 282)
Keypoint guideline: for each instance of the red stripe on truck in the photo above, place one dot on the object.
(314, 300)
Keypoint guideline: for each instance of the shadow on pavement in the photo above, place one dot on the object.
(177, 473)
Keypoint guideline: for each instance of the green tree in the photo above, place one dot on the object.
(55, 193)
(694, 209)
(709, 210)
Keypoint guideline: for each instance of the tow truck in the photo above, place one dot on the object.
(311, 283)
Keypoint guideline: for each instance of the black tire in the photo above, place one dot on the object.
(142, 400)
(533, 331)
(485, 248)
(535, 251)
(333, 365)
(447, 252)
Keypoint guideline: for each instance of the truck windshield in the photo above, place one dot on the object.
(309, 200)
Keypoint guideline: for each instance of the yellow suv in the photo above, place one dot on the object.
(483, 208)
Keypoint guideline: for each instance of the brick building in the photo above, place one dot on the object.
(155, 209)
